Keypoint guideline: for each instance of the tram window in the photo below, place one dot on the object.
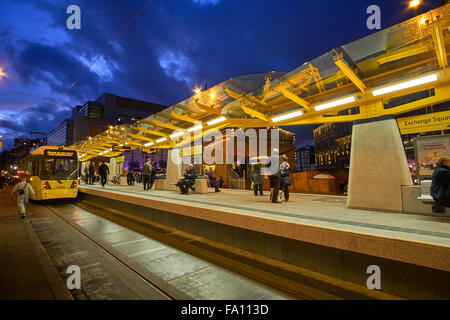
(60, 168)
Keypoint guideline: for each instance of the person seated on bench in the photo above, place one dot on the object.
(440, 185)
(212, 179)
(188, 180)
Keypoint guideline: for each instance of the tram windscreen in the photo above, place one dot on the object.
(60, 165)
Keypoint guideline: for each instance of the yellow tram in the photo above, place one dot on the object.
(53, 172)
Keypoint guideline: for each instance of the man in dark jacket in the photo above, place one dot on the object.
(440, 185)
(187, 181)
(104, 171)
(153, 175)
(91, 173)
(146, 173)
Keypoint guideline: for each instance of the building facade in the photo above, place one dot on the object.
(94, 117)
(332, 146)
(62, 135)
(305, 159)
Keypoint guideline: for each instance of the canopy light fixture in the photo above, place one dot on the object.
(286, 116)
(194, 128)
(176, 134)
(405, 85)
(216, 121)
(335, 103)
(161, 140)
(149, 144)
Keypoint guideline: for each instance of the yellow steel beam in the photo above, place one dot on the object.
(247, 98)
(140, 137)
(404, 53)
(183, 117)
(206, 108)
(439, 44)
(291, 96)
(350, 74)
(267, 86)
(166, 125)
(152, 132)
(254, 113)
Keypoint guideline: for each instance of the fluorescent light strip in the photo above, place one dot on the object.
(335, 103)
(176, 135)
(194, 128)
(149, 144)
(405, 85)
(287, 116)
(216, 121)
(161, 140)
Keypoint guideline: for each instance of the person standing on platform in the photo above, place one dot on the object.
(153, 175)
(146, 173)
(258, 179)
(285, 177)
(23, 190)
(274, 176)
(104, 172)
(440, 185)
(86, 175)
(91, 173)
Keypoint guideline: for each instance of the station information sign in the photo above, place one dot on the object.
(437, 121)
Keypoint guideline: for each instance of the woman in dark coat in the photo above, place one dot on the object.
(285, 177)
(212, 180)
(258, 178)
(440, 185)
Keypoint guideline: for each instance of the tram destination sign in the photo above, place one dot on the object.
(60, 153)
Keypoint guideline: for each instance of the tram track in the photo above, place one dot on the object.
(166, 288)
(288, 281)
(152, 282)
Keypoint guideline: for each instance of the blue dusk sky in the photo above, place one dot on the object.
(171, 47)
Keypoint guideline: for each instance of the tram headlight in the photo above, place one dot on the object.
(74, 184)
(46, 185)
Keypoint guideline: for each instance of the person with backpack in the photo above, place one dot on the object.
(23, 190)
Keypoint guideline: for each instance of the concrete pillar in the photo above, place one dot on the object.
(378, 165)
(173, 173)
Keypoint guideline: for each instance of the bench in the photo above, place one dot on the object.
(200, 185)
(425, 196)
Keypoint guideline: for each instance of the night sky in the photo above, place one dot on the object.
(165, 52)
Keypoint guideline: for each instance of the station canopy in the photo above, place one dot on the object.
(351, 82)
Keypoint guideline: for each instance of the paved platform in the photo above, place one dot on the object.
(317, 219)
(26, 271)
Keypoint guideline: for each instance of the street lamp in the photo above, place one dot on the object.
(2, 74)
(416, 4)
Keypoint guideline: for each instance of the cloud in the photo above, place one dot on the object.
(39, 118)
(206, 1)
(101, 67)
(177, 65)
